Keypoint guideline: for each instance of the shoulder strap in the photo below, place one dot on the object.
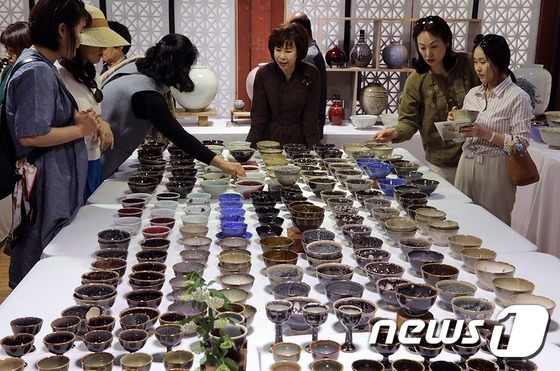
(450, 101)
(35, 58)
(38, 151)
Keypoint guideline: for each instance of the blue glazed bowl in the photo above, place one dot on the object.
(233, 211)
(229, 197)
(233, 229)
(387, 184)
(378, 170)
(231, 218)
(364, 161)
(230, 204)
(536, 133)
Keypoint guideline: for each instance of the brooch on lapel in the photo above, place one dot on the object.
(306, 80)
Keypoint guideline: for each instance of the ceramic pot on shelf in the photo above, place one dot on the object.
(395, 55)
(251, 80)
(336, 112)
(374, 99)
(205, 89)
(361, 54)
(336, 57)
(537, 82)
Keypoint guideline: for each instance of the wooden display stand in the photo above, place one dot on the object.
(202, 115)
(236, 114)
(348, 81)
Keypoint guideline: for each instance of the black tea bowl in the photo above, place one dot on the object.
(59, 342)
(17, 345)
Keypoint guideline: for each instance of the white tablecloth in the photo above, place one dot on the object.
(42, 286)
(336, 134)
(47, 290)
(536, 212)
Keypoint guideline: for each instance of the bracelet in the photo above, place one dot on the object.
(492, 137)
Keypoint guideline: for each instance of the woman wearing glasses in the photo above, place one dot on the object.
(441, 81)
(504, 118)
(82, 80)
(44, 123)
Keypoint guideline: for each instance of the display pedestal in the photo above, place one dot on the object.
(236, 114)
(202, 115)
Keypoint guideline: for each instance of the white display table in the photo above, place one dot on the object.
(336, 134)
(536, 212)
(47, 290)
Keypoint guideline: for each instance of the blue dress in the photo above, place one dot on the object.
(36, 103)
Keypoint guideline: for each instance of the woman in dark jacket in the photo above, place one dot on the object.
(286, 92)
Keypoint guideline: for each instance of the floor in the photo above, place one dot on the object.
(4, 264)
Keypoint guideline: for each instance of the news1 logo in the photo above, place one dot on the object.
(527, 335)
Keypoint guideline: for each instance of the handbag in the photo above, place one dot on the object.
(522, 169)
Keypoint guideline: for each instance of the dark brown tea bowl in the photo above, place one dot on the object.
(59, 342)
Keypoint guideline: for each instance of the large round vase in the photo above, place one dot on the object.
(360, 55)
(374, 99)
(205, 89)
(395, 55)
(537, 82)
(251, 80)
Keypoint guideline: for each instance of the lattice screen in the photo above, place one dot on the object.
(210, 25)
(517, 21)
(451, 10)
(147, 21)
(389, 30)
(321, 9)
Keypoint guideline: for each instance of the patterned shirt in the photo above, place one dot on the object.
(508, 111)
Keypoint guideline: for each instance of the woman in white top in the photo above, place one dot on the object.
(82, 80)
(505, 114)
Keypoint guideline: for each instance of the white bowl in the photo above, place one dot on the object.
(389, 119)
(363, 122)
(129, 221)
(551, 136)
(162, 213)
(197, 210)
(166, 204)
(253, 175)
(553, 118)
(194, 219)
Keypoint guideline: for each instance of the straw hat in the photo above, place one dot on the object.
(98, 33)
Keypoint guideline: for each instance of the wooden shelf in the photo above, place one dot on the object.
(348, 81)
(202, 115)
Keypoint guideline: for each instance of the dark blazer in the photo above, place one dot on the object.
(285, 111)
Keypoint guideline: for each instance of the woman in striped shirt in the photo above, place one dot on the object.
(505, 115)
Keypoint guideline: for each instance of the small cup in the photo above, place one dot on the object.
(54, 363)
(136, 361)
(98, 362)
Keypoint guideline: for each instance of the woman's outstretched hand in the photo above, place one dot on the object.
(232, 168)
(386, 135)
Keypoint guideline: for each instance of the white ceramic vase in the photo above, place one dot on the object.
(537, 82)
(251, 80)
(205, 89)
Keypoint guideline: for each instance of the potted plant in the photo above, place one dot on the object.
(220, 339)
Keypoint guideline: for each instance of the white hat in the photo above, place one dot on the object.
(98, 33)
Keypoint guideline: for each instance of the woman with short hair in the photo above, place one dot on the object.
(286, 92)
